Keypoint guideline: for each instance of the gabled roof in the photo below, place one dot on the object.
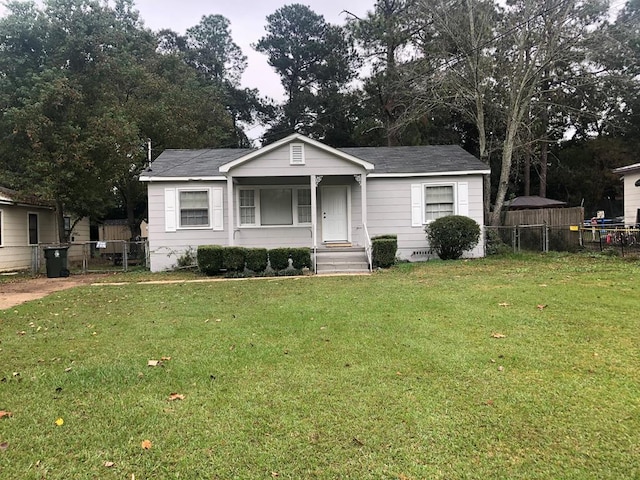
(296, 137)
(13, 197)
(213, 164)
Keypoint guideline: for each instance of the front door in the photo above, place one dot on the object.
(335, 214)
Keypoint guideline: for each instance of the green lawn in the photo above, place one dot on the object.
(398, 375)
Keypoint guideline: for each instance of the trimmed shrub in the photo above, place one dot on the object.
(452, 235)
(210, 259)
(384, 250)
(300, 257)
(234, 258)
(257, 259)
(279, 258)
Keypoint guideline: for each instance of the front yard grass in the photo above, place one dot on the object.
(519, 368)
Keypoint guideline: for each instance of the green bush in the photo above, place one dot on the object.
(300, 257)
(257, 259)
(279, 258)
(210, 259)
(234, 258)
(384, 248)
(452, 235)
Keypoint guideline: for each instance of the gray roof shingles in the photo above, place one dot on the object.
(398, 160)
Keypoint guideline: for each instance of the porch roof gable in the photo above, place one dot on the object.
(296, 137)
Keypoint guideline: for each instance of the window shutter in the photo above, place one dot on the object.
(463, 199)
(170, 218)
(296, 154)
(416, 205)
(217, 210)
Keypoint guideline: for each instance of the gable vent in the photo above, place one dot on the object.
(296, 154)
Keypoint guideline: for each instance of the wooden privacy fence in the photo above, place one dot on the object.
(554, 217)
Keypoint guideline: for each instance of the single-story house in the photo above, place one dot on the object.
(27, 222)
(631, 178)
(298, 192)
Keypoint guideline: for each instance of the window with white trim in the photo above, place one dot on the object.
(274, 206)
(439, 201)
(432, 200)
(194, 208)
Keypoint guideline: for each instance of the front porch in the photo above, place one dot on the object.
(321, 212)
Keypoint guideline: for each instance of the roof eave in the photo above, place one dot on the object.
(215, 178)
(454, 173)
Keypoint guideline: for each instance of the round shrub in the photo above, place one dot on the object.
(452, 235)
(279, 258)
(384, 248)
(300, 257)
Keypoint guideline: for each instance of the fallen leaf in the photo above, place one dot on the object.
(146, 444)
(175, 396)
(59, 422)
(542, 285)
(489, 403)
(504, 304)
(68, 369)
(109, 464)
(541, 307)
(500, 368)
(275, 474)
(165, 359)
(5, 414)
(153, 363)
(4, 445)
(498, 335)
(16, 374)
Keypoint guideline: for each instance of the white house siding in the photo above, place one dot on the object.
(276, 164)
(166, 247)
(631, 197)
(389, 211)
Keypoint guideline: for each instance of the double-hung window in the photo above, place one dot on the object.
(274, 206)
(432, 200)
(439, 201)
(194, 208)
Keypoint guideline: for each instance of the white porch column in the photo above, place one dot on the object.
(314, 211)
(231, 223)
(363, 197)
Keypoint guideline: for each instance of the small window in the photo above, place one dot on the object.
(33, 229)
(247, 207)
(439, 201)
(194, 208)
(304, 205)
(296, 154)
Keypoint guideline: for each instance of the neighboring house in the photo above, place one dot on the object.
(300, 192)
(25, 223)
(631, 178)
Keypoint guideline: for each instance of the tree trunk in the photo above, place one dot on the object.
(505, 170)
(544, 156)
(62, 233)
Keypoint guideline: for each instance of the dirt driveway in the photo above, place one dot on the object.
(14, 293)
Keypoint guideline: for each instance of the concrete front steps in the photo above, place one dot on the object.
(341, 259)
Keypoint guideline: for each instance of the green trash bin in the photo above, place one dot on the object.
(56, 259)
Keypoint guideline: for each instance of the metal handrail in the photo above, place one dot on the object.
(368, 247)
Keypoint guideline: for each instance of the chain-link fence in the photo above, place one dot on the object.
(105, 256)
(566, 238)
